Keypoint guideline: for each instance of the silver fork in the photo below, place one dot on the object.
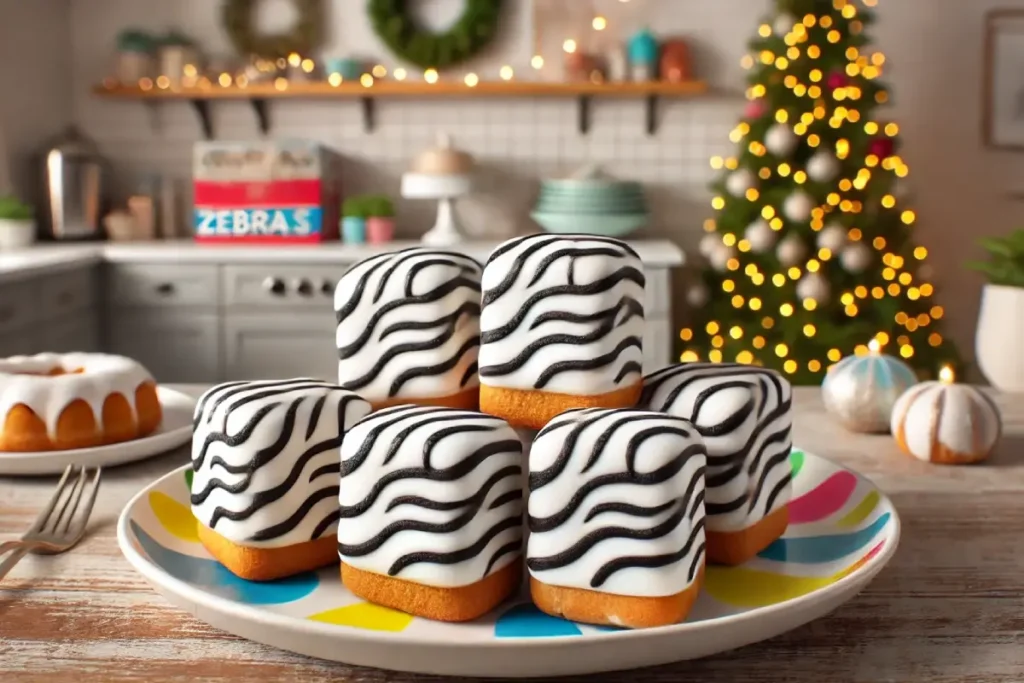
(58, 528)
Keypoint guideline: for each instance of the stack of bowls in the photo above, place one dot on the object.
(591, 204)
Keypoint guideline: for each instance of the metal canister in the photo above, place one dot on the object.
(74, 185)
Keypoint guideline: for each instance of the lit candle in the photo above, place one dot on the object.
(945, 422)
(860, 391)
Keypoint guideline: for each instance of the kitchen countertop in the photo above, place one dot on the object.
(947, 609)
(56, 257)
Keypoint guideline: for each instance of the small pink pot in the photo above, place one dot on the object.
(379, 229)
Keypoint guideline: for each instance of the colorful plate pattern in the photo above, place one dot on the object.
(842, 532)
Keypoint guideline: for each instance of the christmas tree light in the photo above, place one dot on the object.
(810, 250)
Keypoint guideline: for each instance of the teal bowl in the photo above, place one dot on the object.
(606, 225)
(550, 206)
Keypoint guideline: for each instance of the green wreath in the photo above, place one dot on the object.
(303, 38)
(409, 41)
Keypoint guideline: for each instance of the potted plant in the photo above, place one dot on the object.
(353, 220)
(17, 224)
(1000, 335)
(134, 56)
(380, 220)
(175, 52)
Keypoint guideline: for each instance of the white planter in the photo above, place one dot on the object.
(16, 234)
(999, 344)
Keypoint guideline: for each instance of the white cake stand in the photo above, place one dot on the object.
(445, 189)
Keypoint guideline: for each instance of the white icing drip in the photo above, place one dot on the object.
(449, 451)
(720, 405)
(653, 453)
(967, 425)
(587, 269)
(25, 380)
(426, 279)
(231, 416)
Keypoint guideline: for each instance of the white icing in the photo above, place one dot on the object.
(676, 390)
(404, 433)
(24, 380)
(683, 536)
(956, 415)
(440, 369)
(228, 409)
(579, 269)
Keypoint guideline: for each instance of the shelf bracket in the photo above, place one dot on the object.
(652, 114)
(583, 122)
(369, 120)
(202, 108)
(259, 107)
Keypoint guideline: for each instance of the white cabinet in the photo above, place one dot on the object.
(280, 345)
(174, 344)
(75, 333)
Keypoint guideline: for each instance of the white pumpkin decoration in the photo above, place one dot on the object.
(946, 423)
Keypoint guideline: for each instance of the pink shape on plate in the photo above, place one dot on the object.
(827, 499)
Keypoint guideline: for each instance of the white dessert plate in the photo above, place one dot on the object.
(175, 430)
(842, 532)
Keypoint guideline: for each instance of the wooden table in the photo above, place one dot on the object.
(950, 606)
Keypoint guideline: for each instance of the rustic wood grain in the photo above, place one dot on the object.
(949, 608)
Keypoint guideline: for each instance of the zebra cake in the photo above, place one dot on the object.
(265, 481)
(616, 517)
(409, 328)
(431, 511)
(561, 327)
(744, 414)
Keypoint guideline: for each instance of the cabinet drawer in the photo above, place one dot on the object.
(141, 284)
(79, 333)
(658, 343)
(174, 344)
(19, 305)
(281, 286)
(280, 345)
(24, 342)
(658, 292)
(67, 292)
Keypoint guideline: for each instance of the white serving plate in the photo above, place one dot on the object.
(175, 430)
(843, 531)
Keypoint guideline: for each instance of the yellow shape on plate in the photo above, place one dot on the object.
(858, 514)
(754, 588)
(174, 517)
(366, 616)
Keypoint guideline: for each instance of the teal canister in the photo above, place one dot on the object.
(643, 56)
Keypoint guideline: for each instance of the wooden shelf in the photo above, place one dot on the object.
(259, 94)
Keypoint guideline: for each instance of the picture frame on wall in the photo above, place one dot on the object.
(1003, 105)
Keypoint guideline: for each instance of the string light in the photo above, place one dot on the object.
(430, 75)
(308, 65)
(686, 334)
(506, 73)
(569, 46)
(366, 80)
(399, 74)
(599, 23)
(537, 62)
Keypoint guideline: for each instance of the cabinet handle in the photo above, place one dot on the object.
(327, 287)
(165, 288)
(304, 287)
(274, 286)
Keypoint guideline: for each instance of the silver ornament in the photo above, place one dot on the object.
(709, 243)
(780, 140)
(739, 181)
(822, 167)
(798, 207)
(855, 257)
(698, 295)
(719, 257)
(784, 23)
(832, 237)
(791, 251)
(813, 286)
(760, 235)
(860, 391)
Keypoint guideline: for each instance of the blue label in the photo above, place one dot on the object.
(241, 222)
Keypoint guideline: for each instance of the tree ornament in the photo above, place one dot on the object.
(760, 235)
(798, 206)
(238, 19)
(856, 257)
(781, 140)
(947, 423)
(709, 243)
(836, 80)
(882, 147)
(739, 181)
(719, 257)
(926, 271)
(784, 24)
(832, 237)
(755, 109)
(813, 286)
(394, 23)
(823, 167)
(791, 251)
(698, 295)
(860, 391)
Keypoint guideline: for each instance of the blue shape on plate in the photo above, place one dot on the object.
(526, 621)
(214, 578)
(820, 549)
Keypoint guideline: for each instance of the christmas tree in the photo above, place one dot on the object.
(810, 254)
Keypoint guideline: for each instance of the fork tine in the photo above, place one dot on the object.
(84, 517)
(45, 514)
(71, 504)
